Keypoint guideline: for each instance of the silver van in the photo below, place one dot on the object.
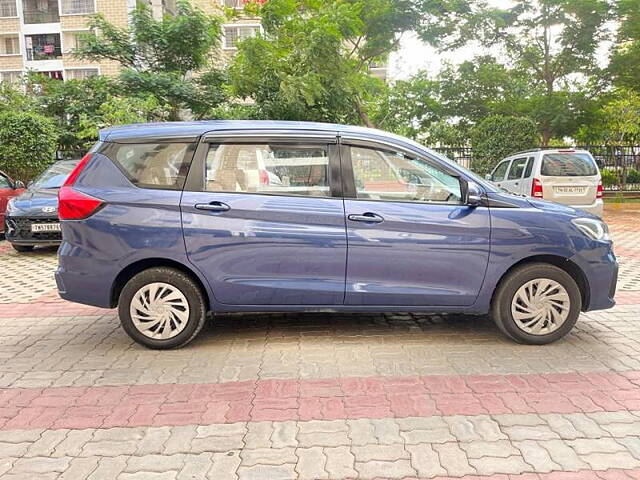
(567, 176)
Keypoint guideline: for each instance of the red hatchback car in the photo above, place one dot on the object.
(8, 189)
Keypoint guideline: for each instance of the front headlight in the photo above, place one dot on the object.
(592, 228)
(11, 207)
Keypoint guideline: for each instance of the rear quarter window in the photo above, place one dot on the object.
(153, 165)
(568, 165)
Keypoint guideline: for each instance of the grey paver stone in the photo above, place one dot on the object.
(109, 448)
(595, 445)
(361, 432)
(388, 453)
(180, 440)
(512, 419)
(453, 459)
(536, 456)
(196, 467)
(387, 431)
(268, 456)
(562, 426)
(322, 426)
(38, 465)
(225, 465)
(46, 444)
(109, 468)
(324, 439)
(217, 444)
(587, 427)
(267, 472)
(155, 463)
(478, 449)
(425, 460)
(311, 463)
(258, 435)
(80, 468)
(153, 441)
(605, 461)
(493, 465)
(381, 469)
(147, 476)
(73, 442)
(526, 432)
(340, 462)
(284, 434)
(563, 455)
(632, 444)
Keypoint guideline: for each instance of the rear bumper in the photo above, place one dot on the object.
(596, 208)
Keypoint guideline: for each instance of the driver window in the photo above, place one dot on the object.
(500, 170)
(394, 176)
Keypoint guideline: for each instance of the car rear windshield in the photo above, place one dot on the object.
(568, 165)
(153, 165)
(55, 175)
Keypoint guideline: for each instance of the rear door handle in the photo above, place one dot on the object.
(213, 207)
(366, 217)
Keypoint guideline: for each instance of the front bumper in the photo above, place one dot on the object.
(600, 267)
(17, 230)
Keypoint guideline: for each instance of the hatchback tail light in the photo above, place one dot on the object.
(74, 205)
(536, 188)
(600, 190)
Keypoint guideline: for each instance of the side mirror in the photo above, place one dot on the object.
(18, 185)
(472, 194)
(489, 177)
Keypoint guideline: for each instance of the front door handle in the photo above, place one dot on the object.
(213, 207)
(366, 217)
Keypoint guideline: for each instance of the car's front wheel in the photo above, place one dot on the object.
(536, 304)
(162, 308)
(22, 248)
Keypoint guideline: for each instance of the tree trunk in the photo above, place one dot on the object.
(363, 115)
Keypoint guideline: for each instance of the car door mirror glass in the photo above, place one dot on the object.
(489, 177)
(473, 194)
(18, 185)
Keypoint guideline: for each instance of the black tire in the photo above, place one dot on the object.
(501, 304)
(177, 279)
(22, 248)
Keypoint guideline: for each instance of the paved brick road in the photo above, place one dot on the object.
(315, 396)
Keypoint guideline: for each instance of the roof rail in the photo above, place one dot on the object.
(539, 149)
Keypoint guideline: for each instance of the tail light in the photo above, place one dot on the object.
(600, 190)
(74, 205)
(536, 188)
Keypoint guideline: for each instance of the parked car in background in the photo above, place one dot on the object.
(566, 176)
(9, 188)
(171, 221)
(32, 217)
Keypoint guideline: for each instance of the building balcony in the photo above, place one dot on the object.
(41, 11)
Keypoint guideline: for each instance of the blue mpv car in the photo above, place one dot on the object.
(171, 221)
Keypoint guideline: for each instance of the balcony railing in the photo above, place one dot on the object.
(41, 16)
(34, 54)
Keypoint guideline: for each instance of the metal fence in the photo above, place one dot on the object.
(620, 164)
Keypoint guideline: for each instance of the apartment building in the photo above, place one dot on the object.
(39, 35)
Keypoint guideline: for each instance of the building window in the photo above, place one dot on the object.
(8, 8)
(43, 47)
(77, 7)
(80, 73)
(11, 76)
(233, 34)
(9, 45)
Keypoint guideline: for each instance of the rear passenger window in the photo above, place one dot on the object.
(529, 169)
(517, 167)
(275, 169)
(154, 165)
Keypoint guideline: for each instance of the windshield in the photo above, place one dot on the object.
(54, 176)
(568, 165)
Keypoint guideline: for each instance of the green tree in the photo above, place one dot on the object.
(497, 137)
(28, 143)
(312, 61)
(160, 57)
(625, 59)
(552, 43)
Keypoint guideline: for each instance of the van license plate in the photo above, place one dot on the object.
(45, 227)
(570, 189)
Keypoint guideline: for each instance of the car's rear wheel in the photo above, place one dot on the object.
(22, 248)
(162, 308)
(536, 304)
